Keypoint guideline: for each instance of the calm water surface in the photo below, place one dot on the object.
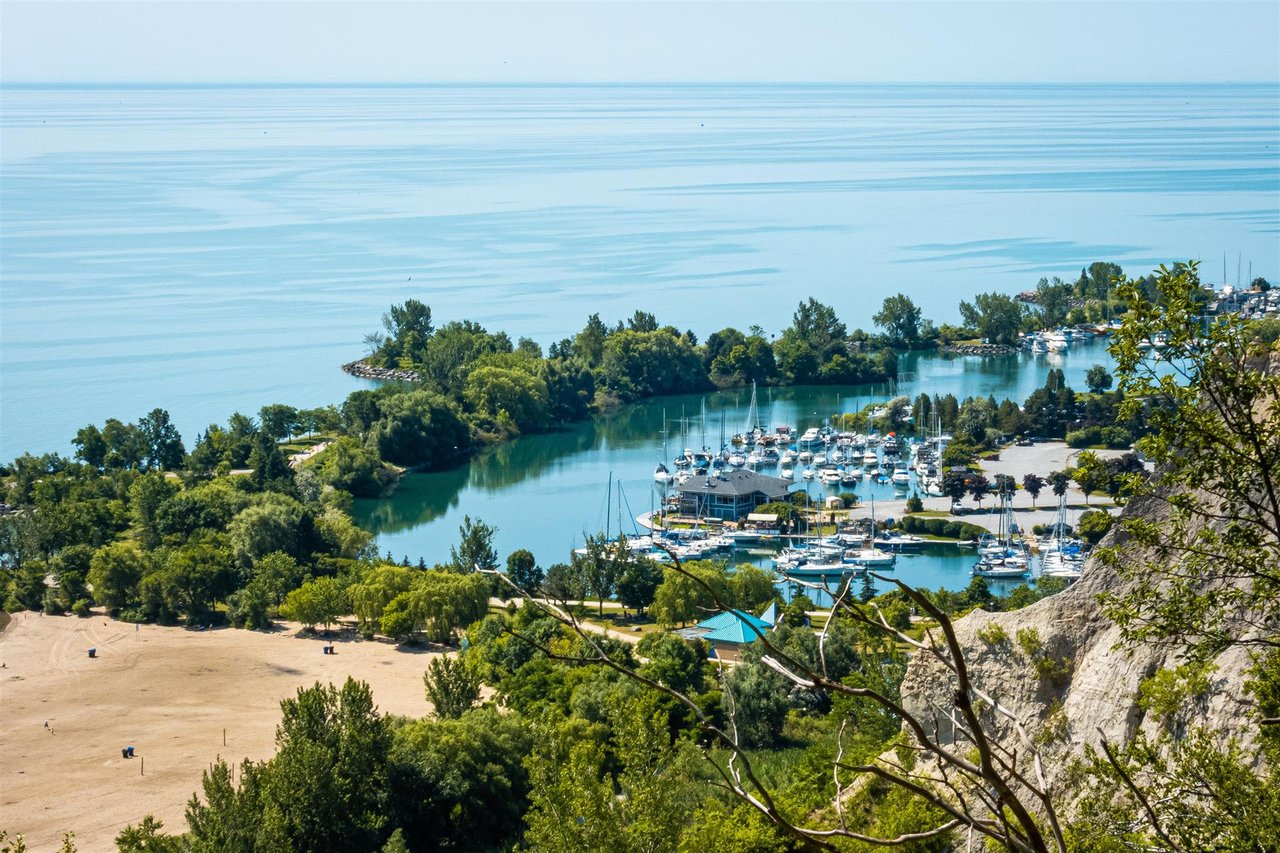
(213, 249)
(544, 492)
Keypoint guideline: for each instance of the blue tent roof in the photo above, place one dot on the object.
(732, 617)
(733, 627)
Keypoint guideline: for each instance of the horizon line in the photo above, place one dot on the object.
(584, 83)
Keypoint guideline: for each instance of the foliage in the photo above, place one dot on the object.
(319, 601)
(997, 317)
(326, 789)
(452, 687)
(474, 551)
(1213, 404)
(900, 319)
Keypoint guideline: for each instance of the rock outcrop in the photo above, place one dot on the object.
(1090, 686)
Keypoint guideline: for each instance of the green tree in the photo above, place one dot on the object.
(638, 582)
(1097, 379)
(319, 601)
(114, 574)
(900, 319)
(521, 395)
(91, 447)
(147, 494)
(755, 703)
(461, 784)
(524, 572)
(268, 467)
(164, 449)
(419, 428)
(474, 551)
(278, 420)
(997, 317)
(268, 526)
(1033, 484)
(148, 837)
(1054, 299)
(452, 687)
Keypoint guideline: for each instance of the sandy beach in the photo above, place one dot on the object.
(170, 693)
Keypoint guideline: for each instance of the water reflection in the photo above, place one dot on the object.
(543, 491)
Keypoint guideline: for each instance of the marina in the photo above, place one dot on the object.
(545, 492)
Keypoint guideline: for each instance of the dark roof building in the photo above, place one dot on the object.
(730, 495)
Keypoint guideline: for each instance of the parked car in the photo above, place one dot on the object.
(958, 508)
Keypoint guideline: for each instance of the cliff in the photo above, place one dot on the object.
(1093, 690)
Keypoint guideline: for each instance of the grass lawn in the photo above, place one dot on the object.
(625, 624)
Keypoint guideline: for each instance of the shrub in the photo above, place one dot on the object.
(81, 607)
(993, 634)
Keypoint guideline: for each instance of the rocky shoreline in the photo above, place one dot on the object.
(978, 349)
(364, 370)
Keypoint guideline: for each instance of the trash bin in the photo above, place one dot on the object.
(93, 653)
(129, 750)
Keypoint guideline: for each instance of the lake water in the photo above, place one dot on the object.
(219, 248)
(545, 492)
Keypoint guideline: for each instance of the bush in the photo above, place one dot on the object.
(81, 608)
(993, 635)
(940, 527)
(914, 503)
(1109, 436)
(1094, 525)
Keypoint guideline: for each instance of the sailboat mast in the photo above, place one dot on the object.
(608, 506)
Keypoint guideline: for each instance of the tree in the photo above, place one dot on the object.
(755, 699)
(1059, 481)
(269, 469)
(1214, 429)
(348, 465)
(521, 395)
(419, 428)
(461, 784)
(524, 571)
(319, 601)
(997, 317)
(147, 494)
(271, 525)
(674, 662)
(1053, 299)
(1097, 379)
(91, 447)
(602, 566)
(147, 837)
(979, 487)
(326, 789)
(1260, 284)
(565, 582)
(114, 574)
(1089, 473)
(1033, 483)
(474, 551)
(164, 448)
(278, 420)
(900, 319)
(1093, 525)
(638, 582)
(452, 687)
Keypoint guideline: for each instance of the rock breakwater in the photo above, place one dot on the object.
(364, 370)
(978, 349)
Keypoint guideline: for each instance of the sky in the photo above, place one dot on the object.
(426, 42)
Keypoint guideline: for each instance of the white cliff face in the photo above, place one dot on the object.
(1094, 694)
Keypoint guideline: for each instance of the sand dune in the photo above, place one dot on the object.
(169, 693)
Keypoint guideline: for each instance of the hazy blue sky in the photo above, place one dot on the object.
(604, 41)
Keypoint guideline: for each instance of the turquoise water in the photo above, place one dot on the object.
(212, 249)
(544, 492)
